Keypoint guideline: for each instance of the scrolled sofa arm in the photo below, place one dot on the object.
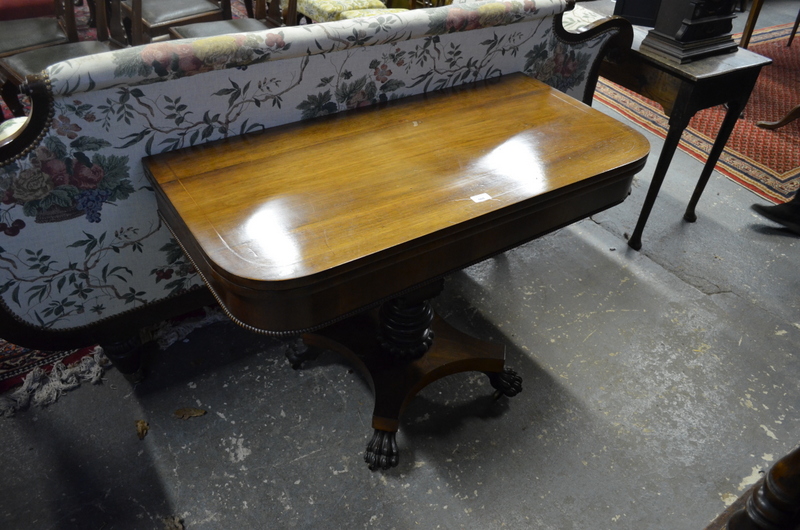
(613, 35)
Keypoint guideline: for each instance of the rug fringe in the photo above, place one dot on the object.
(42, 388)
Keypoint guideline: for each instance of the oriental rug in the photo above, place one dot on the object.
(44, 375)
(766, 162)
(16, 361)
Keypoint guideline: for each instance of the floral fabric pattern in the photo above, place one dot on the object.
(164, 61)
(80, 237)
(562, 67)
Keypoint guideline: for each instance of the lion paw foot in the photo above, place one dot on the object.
(382, 451)
(506, 383)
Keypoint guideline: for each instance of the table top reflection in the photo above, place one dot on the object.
(312, 196)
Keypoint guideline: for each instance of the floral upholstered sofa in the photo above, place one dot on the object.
(84, 257)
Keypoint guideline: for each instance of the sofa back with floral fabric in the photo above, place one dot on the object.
(81, 240)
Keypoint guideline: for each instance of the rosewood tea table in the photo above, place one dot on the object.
(340, 229)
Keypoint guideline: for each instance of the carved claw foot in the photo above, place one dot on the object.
(297, 352)
(382, 451)
(506, 383)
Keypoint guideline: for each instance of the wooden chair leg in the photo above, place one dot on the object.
(775, 504)
(792, 115)
(750, 24)
(794, 29)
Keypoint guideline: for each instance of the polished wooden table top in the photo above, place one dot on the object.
(307, 222)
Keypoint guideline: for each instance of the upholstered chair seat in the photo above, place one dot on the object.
(219, 27)
(19, 35)
(34, 61)
(150, 20)
(161, 12)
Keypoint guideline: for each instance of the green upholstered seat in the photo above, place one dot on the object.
(28, 33)
(34, 61)
(159, 12)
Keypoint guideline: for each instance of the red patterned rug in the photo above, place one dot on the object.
(766, 162)
(40, 377)
(16, 362)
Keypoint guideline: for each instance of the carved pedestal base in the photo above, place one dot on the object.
(395, 382)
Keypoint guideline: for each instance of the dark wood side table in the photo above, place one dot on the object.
(304, 229)
(683, 90)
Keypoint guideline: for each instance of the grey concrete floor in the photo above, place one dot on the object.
(658, 385)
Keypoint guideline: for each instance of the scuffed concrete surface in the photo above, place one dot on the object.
(644, 401)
